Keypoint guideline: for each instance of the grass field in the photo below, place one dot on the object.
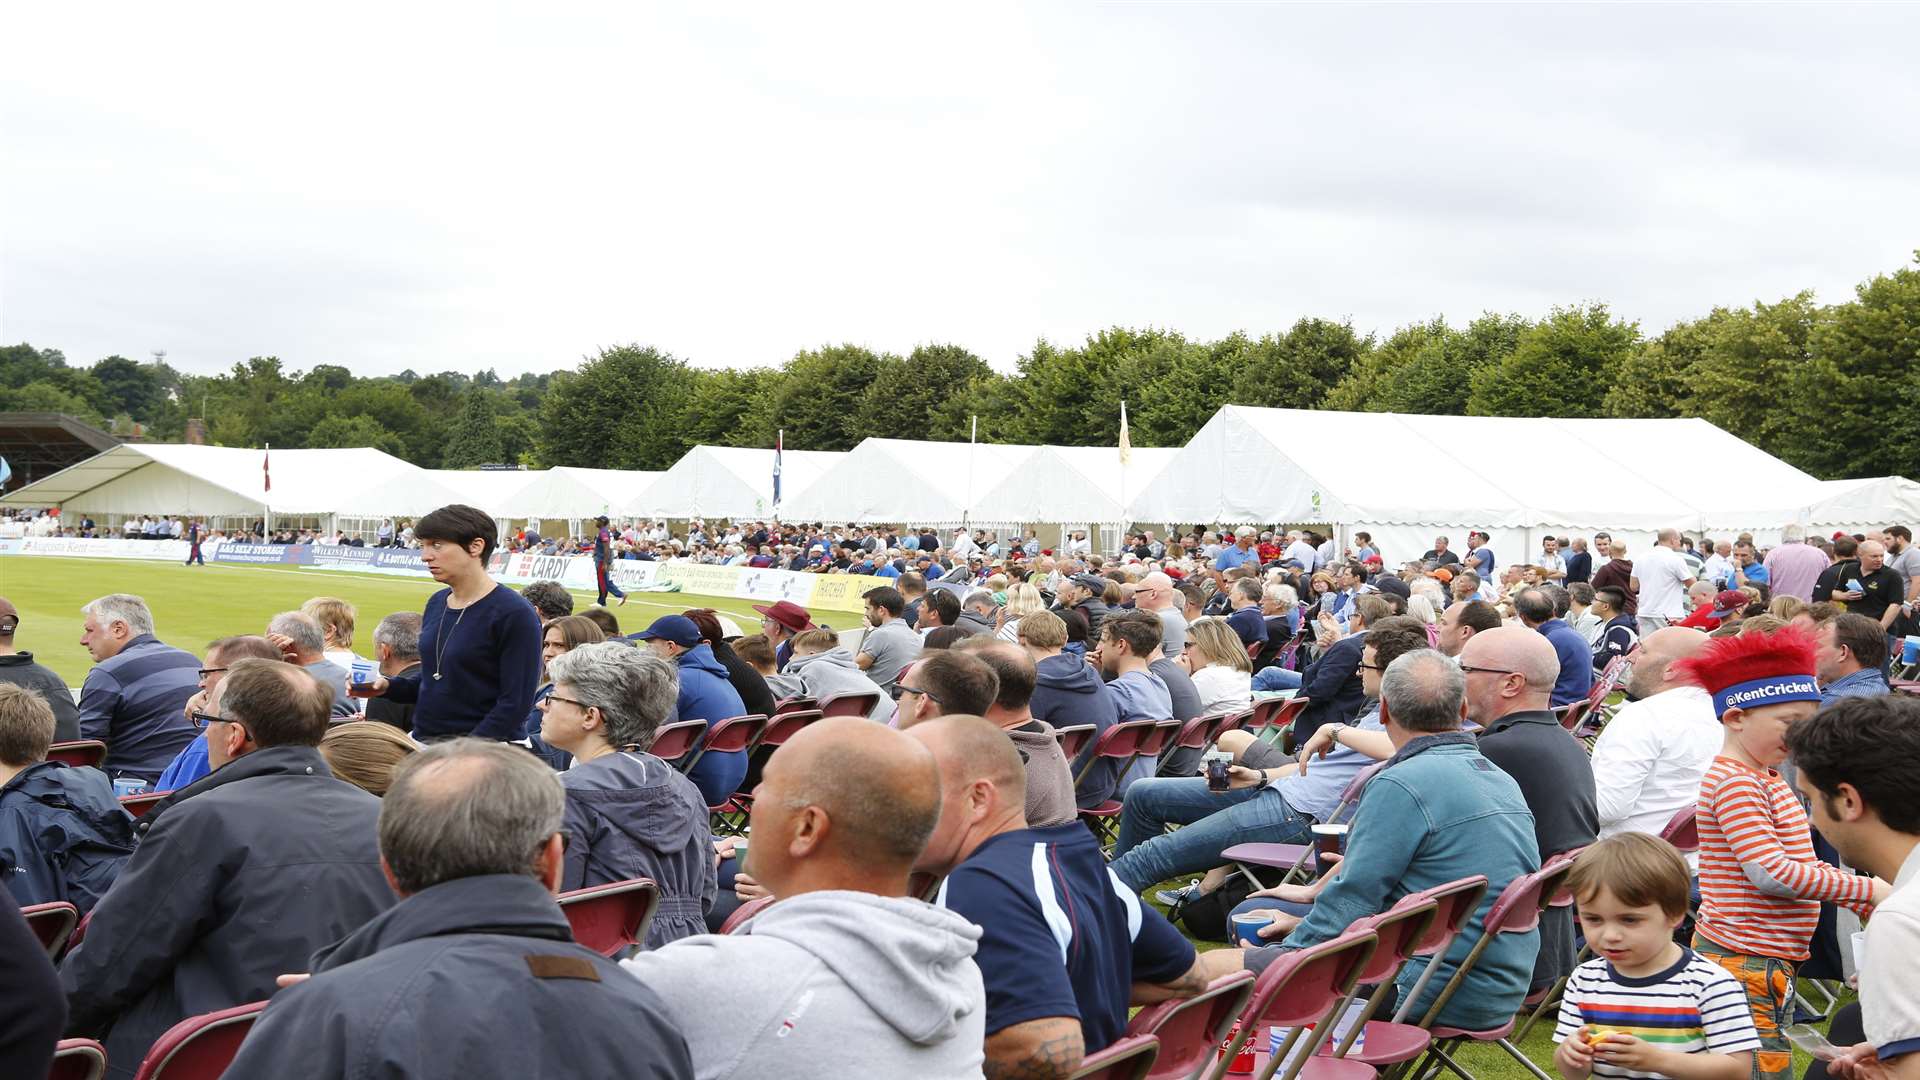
(193, 605)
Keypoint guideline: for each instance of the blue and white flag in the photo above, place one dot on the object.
(6, 472)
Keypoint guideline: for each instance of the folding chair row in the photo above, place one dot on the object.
(1125, 743)
(613, 917)
(79, 752)
(1292, 858)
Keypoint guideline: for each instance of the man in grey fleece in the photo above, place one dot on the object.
(845, 975)
(822, 668)
(1049, 779)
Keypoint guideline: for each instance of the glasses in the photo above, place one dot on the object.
(899, 689)
(206, 671)
(576, 702)
(201, 720)
(1372, 667)
(1470, 670)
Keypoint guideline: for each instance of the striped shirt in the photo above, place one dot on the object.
(135, 702)
(1694, 1007)
(1760, 884)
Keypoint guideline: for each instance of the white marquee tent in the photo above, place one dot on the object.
(223, 481)
(576, 494)
(907, 481)
(1406, 479)
(730, 482)
(1071, 485)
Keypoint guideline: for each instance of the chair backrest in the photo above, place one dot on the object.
(1119, 741)
(1073, 738)
(861, 704)
(735, 733)
(1290, 710)
(1158, 739)
(1303, 988)
(1683, 829)
(786, 726)
(78, 752)
(1197, 733)
(1570, 714)
(138, 805)
(744, 912)
(613, 917)
(1515, 911)
(1454, 905)
(672, 742)
(1359, 782)
(1557, 894)
(1232, 721)
(52, 923)
(1262, 714)
(199, 1047)
(1190, 1030)
(1400, 929)
(1609, 678)
(794, 704)
(78, 1059)
(1130, 1058)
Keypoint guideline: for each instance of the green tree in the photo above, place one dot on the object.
(1854, 399)
(133, 389)
(352, 431)
(815, 399)
(475, 437)
(44, 396)
(616, 411)
(1295, 371)
(720, 408)
(903, 400)
(1368, 385)
(1561, 366)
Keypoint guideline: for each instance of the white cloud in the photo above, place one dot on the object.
(402, 186)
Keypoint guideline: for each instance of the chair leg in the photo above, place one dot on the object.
(1550, 1002)
(1514, 1053)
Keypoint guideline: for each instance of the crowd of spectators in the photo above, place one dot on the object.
(374, 841)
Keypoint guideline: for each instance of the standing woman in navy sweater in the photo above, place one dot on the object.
(479, 640)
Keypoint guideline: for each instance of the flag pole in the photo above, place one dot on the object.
(1126, 458)
(966, 509)
(266, 478)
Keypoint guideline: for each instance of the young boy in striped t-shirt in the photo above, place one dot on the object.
(1760, 884)
(1645, 1006)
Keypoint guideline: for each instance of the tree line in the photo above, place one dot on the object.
(1833, 389)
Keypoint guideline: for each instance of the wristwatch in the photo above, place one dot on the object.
(1334, 730)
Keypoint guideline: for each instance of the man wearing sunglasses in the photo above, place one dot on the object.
(238, 877)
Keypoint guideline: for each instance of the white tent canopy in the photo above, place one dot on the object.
(1409, 478)
(1853, 506)
(730, 482)
(573, 494)
(1078, 485)
(217, 481)
(909, 482)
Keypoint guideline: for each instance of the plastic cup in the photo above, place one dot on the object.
(1910, 650)
(1246, 929)
(1327, 840)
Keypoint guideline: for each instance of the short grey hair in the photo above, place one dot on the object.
(981, 600)
(1423, 691)
(1249, 589)
(634, 689)
(467, 808)
(122, 608)
(1793, 533)
(400, 632)
(303, 629)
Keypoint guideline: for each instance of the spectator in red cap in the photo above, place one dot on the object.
(780, 621)
(1725, 607)
(1760, 883)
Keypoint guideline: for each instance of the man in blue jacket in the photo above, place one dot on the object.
(705, 694)
(133, 697)
(238, 877)
(476, 936)
(63, 835)
(1437, 813)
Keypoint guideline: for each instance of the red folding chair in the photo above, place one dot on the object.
(138, 805)
(744, 912)
(673, 742)
(1074, 738)
(78, 1059)
(611, 918)
(799, 703)
(199, 1047)
(860, 704)
(1400, 930)
(1196, 734)
(1292, 858)
(1279, 726)
(1302, 990)
(1455, 902)
(78, 752)
(52, 923)
(1191, 1030)
(1516, 911)
(1121, 742)
(1129, 1058)
(1683, 830)
(726, 736)
(1570, 714)
(1155, 744)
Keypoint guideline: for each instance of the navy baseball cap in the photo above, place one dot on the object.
(675, 628)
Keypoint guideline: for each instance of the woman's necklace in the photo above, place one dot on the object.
(440, 640)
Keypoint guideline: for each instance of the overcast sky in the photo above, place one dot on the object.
(387, 186)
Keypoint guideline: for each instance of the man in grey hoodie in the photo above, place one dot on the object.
(822, 668)
(845, 975)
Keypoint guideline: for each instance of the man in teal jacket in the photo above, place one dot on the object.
(1437, 813)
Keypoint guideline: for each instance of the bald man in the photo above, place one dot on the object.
(1653, 753)
(845, 974)
(1155, 593)
(1510, 675)
(1064, 948)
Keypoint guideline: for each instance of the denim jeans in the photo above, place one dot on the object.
(1214, 821)
(1276, 678)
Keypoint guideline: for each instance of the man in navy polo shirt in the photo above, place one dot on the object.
(1065, 949)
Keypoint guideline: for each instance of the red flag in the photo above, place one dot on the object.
(266, 469)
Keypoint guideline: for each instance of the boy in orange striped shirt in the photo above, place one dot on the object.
(1760, 884)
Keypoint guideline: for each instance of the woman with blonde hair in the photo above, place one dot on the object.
(558, 638)
(1218, 663)
(336, 618)
(1022, 600)
(365, 754)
